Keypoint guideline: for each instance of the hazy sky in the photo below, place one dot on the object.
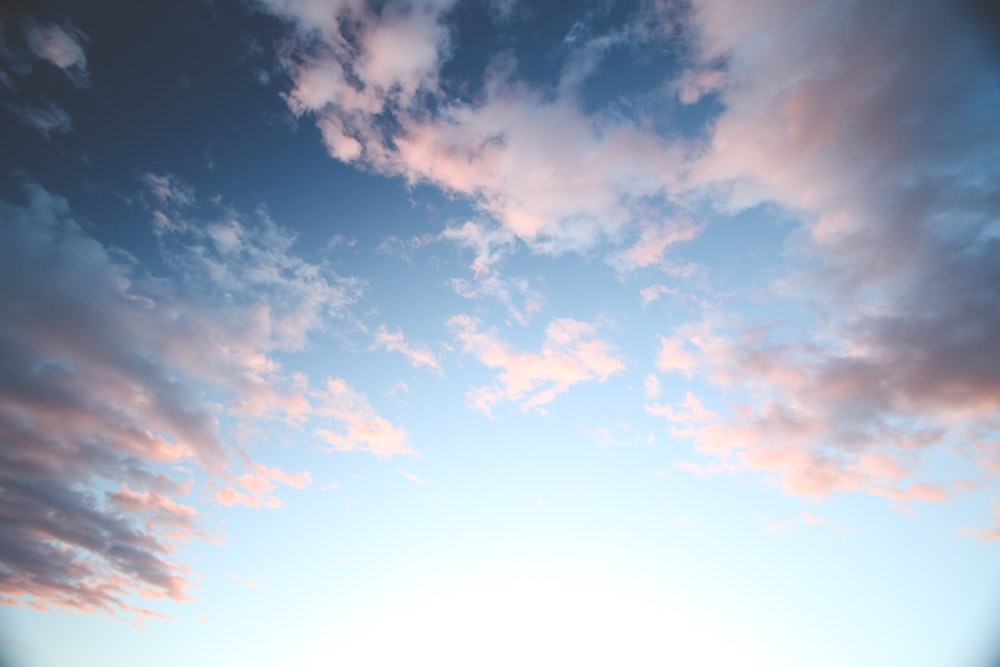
(497, 332)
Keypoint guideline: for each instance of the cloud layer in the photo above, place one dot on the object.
(120, 394)
(871, 125)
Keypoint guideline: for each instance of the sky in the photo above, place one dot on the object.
(492, 332)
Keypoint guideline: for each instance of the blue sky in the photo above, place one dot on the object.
(488, 332)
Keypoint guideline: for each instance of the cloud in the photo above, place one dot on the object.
(845, 115)
(652, 244)
(418, 355)
(620, 436)
(361, 428)
(673, 357)
(490, 243)
(61, 45)
(410, 476)
(651, 386)
(571, 353)
(257, 484)
(870, 125)
(47, 119)
(113, 379)
(991, 534)
(554, 177)
(817, 422)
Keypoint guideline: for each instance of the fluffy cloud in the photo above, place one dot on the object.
(571, 353)
(870, 124)
(115, 388)
(61, 45)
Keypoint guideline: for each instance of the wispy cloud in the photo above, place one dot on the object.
(840, 119)
(61, 45)
(360, 427)
(47, 119)
(395, 341)
(571, 353)
(111, 379)
(551, 175)
(410, 476)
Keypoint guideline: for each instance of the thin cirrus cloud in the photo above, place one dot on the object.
(394, 341)
(124, 392)
(48, 119)
(571, 353)
(60, 45)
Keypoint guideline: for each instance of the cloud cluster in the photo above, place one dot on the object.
(872, 125)
(555, 177)
(571, 353)
(878, 137)
(119, 392)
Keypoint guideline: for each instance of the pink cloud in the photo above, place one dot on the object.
(673, 357)
(816, 424)
(653, 242)
(257, 485)
(549, 174)
(571, 353)
(115, 379)
(395, 342)
(360, 427)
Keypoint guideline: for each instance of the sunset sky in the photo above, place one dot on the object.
(500, 332)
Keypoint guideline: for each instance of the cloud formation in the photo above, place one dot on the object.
(60, 45)
(870, 125)
(550, 174)
(395, 341)
(852, 126)
(361, 428)
(46, 119)
(571, 353)
(115, 389)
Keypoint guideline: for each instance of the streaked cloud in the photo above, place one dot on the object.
(394, 341)
(551, 175)
(46, 119)
(112, 379)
